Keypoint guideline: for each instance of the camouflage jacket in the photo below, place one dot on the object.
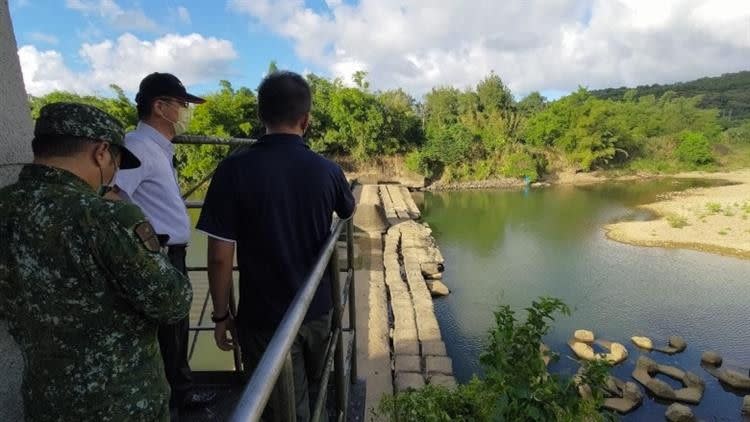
(84, 286)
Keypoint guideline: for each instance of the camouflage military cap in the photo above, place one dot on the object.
(84, 121)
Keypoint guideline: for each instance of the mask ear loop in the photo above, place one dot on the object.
(104, 189)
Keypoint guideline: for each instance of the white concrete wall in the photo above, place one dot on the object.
(15, 146)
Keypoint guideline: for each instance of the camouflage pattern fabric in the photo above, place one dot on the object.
(83, 294)
(84, 121)
(78, 120)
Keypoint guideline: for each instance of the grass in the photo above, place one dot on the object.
(722, 232)
(713, 207)
(677, 221)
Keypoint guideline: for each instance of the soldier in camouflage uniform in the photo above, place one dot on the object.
(83, 283)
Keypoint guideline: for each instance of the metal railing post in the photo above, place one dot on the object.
(258, 390)
(339, 371)
(283, 398)
(352, 298)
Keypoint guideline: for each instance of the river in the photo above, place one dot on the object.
(510, 247)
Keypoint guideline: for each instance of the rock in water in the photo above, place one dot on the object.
(735, 379)
(660, 389)
(679, 413)
(643, 342)
(617, 354)
(430, 269)
(711, 358)
(583, 350)
(746, 405)
(678, 343)
(438, 289)
(585, 336)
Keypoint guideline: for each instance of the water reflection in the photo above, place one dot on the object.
(511, 247)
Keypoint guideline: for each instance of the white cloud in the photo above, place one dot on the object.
(533, 45)
(112, 13)
(43, 38)
(183, 15)
(192, 58)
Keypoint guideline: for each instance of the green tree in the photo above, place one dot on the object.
(272, 67)
(120, 107)
(493, 94)
(228, 113)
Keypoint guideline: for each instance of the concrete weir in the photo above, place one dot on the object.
(417, 352)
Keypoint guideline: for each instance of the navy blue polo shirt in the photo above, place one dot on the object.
(276, 201)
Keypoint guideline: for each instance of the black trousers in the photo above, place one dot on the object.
(173, 342)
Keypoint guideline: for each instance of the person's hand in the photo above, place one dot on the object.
(223, 341)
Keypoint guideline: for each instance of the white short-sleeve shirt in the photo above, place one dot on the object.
(153, 186)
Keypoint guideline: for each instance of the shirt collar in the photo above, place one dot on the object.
(147, 130)
(282, 139)
(53, 175)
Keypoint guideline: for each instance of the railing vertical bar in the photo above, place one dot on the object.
(258, 390)
(339, 371)
(352, 298)
(200, 321)
(286, 406)
(323, 386)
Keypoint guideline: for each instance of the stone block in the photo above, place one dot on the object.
(405, 347)
(442, 380)
(433, 348)
(408, 363)
(679, 413)
(409, 380)
(438, 365)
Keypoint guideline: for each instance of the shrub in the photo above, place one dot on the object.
(677, 221)
(694, 149)
(713, 207)
(517, 385)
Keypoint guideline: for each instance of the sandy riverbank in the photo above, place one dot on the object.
(714, 219)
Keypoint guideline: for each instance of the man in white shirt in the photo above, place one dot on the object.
(163, 112)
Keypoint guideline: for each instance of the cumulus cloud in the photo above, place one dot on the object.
(110, 11)
(125, 61)
(533, 45)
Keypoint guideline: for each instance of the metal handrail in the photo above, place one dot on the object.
(274, 371)
(261, 385)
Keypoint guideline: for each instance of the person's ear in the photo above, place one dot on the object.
(305, 122)
(101, 154)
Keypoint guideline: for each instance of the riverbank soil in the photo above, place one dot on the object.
(712, 219)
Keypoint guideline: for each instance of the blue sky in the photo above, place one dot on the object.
(68, 29)
(552, 46)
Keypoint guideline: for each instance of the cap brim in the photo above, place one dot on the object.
(128, 161)
(193, 99)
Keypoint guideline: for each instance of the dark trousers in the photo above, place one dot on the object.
(308, 352)
(173, 342)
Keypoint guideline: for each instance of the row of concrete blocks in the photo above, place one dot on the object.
(418, 350)
(398, 203)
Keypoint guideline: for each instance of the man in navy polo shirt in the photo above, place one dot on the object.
(274, 202)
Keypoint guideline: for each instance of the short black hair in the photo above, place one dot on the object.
(48, 146)
(283, 98)
(144, 108)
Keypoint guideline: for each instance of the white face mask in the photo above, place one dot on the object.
(183, 120)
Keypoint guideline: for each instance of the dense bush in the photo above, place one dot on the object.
(516, 387)
(694, 149)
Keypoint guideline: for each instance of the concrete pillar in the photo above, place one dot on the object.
(15, 146)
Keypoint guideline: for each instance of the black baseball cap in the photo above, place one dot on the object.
(164, 85)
